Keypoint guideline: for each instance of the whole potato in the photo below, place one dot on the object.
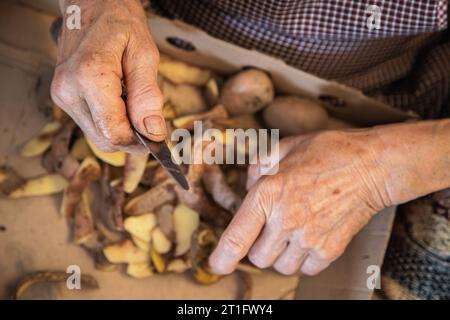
(294, 115)
(247, 92)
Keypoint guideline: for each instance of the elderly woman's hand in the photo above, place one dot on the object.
(113, 44)
(327, 188)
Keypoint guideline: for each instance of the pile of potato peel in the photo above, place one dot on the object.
(125, 210)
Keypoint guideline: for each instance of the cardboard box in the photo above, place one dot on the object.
(38, 239)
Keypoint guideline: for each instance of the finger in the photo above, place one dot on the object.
(290, 261)
(313, 265)
(103, 96)
(266, 164)
(270, 244)
(144, 99)
(240, 234)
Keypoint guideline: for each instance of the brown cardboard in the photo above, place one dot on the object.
(36, 237)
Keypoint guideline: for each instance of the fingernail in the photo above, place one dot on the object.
(155, 125)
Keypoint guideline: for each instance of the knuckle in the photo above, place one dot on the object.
(59, 90)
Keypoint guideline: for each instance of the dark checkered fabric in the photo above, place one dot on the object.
(397, 51)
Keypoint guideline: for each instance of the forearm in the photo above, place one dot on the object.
(413, 159)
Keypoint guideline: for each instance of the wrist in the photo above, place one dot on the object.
(413, 159)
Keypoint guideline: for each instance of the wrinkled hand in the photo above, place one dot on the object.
(327, 188)
(113, 44)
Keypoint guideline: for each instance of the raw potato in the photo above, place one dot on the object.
(247, 92)
(334, 124)
(186, 221)
(141, 226)
(125, 252)
(80, 149)
(158, 261)
(102, 264)
(247, 121)
(40, 186)
(134, 170)
(160, 242)
(187, 122)
(180, 72)
(294, 115)
(139, 270)
(178, 266)
(141, 244)
(185, 99)
(116, 159)
(38, 145)
(88, 171)
(150, 200)
(87, 281)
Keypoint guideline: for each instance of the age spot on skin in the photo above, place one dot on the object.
(336, 191)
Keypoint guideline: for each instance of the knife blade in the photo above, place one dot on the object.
(162, 154)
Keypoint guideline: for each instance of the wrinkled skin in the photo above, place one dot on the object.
(327, 188)
(113, 44)
(306, 214)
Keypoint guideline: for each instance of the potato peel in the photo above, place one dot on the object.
(25, 283)
(39, 144)
(43, 185)
(88, 172)
(134, 170)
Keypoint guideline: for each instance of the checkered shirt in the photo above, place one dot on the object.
(397, 51)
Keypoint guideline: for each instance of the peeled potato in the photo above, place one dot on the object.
(125, 252)
(185, 99)
(247, 92)
(134, 170)
(116, 159)
(160, 242)
(186, 222)
(178, 266)
(141, 226)
(141, 244)
(180, 72)
(139, 270)
(294, 115)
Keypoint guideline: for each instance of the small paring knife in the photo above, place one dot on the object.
(162, 154)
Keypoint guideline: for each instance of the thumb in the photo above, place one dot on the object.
(144, 98)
